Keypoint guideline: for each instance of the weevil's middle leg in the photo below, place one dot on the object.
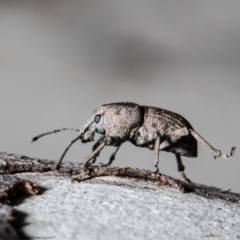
(181, 168)
(156, 153)
(180, 165)
(111, 159)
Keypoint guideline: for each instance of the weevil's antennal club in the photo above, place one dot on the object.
(54, 131)
(65, 151)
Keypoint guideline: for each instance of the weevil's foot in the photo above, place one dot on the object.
(76, 180)
(217, 154)
(93, 160)
(227, 155)
(103, 164)
(185, 178)
(83, 176)
(85, 167)
(156, 172)
(58, 167)
(233, 150)
(225, 190)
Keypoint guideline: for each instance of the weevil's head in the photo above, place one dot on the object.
(115, 120)
(92, 125)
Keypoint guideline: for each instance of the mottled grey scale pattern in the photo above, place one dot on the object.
(166, 120)
(166, 124)
(187, 147)
(144, 126)
(121, 119)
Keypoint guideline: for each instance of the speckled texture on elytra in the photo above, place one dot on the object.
(113, 208)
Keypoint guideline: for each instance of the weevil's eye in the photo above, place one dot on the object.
(97, 118)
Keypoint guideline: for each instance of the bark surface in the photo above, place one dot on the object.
(108, 203)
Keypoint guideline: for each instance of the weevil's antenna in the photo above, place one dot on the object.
(65, 151)
(54, 131)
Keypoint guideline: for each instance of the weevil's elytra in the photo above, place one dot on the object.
(144, 126)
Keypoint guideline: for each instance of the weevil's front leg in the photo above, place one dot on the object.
(106, 142)
(111, 159)
(156, 153)
(65, 151)
(181, 168)
(95, 146)
(94, 154)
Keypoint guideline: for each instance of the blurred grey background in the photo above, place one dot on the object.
(60, 60)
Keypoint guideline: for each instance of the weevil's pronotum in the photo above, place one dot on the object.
(143, 126)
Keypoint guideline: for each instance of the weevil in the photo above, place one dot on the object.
(144, 126)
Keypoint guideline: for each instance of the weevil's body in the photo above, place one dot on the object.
(144, 126)
(169, 126)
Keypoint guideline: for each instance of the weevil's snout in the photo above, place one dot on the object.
(87, 140)
(87, 135)
(88, 131)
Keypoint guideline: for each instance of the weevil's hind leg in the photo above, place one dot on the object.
(54, 131)
(164, 144)
(111, 159)
(95, 146)
(156, 154)
(175, 136)
(180, 165)
(181, 168)
(215, 152)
